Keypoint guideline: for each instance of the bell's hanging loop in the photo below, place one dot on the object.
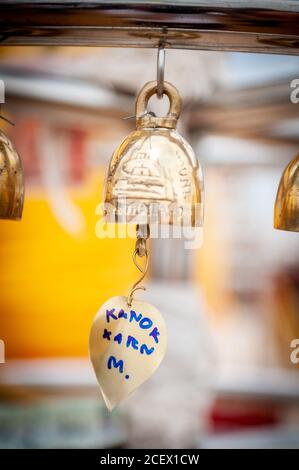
(146, 119)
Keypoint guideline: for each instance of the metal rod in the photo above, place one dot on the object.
(236, 25)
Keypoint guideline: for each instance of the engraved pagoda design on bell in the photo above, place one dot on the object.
(139, 176)
(154, 175)
(11, 181)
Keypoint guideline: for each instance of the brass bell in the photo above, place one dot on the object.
(286, 210)
(11, 181)
(154, 176)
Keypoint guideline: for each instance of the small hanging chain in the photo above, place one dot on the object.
(143, 232)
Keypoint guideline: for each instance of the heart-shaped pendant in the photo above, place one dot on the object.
(126, 346)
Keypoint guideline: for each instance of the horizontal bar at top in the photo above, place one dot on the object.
(258, 26)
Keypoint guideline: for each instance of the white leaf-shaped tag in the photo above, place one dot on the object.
(126, 346)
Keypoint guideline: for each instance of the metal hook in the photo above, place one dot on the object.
(160, 70)
(136, 286)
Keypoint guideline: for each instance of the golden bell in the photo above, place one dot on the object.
(11, 181)
(286, 210)
(154, 176)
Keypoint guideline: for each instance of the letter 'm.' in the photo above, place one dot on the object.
(113, 362)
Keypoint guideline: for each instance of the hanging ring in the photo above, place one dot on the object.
(143, 270)
(160, 71)
(175, 104)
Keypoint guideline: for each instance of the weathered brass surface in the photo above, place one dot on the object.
(11, 181)
(154, 176)
(286, 211)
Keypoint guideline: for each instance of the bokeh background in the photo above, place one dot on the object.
(228, 381)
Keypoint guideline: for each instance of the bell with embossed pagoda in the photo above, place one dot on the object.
(154, 176)
(11, 181)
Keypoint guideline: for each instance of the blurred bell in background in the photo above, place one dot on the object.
(286, 216)
(231, 307)
(11, 181)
